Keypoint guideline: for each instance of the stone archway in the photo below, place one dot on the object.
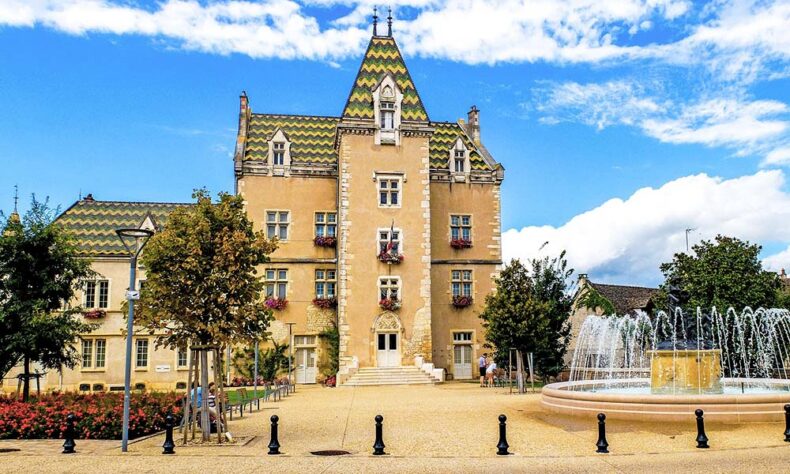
(387, 339)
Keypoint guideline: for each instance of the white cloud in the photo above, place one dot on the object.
(778, 261)
(624, 241)
(743, 125)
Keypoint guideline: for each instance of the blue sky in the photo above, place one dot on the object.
(620, 124)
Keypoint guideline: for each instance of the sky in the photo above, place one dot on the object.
(620, 123)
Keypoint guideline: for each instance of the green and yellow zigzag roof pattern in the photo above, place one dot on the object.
(312, 138)
(383, 57)
(93, 223)
(444, 136)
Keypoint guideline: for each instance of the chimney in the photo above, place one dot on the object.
(474, 123)
(582, 279)
(783, 274)
(88, 198)
(241, 136)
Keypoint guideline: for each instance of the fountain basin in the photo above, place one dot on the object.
(631, 399)
(685, 371)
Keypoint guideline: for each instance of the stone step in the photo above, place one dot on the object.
(405, 375)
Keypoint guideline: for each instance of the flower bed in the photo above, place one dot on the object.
(460, 243)
(390, 304)
(325, 303)
(460, 301)
(99, 415)
(325, 241)
(94, 314)
(276, 303)
(387, 257)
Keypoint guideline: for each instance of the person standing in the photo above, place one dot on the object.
(490, 372)
(481, 364)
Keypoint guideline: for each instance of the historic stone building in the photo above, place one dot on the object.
(388, 225)
(381, 211)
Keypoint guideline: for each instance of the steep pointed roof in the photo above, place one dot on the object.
(382, 57)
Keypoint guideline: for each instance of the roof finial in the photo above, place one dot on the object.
(389, 21)
(16, 197)
(375, 21)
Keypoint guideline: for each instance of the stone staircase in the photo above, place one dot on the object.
(407, 375)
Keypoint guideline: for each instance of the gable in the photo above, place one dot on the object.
(445, 136)
(383, 57)
(311, 138)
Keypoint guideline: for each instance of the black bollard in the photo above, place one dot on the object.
(602, 444)
(378, 445)
(69, 444)
(702, 440)
(502, 445)
(787, 423)
(274, 444)
(169, 445)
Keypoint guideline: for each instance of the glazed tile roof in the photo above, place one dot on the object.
(312, 138)
(93, 223)
(444, 137)
(382, 57)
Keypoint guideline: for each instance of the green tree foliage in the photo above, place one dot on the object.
(722, 273)
(594, 300)
(39, 270)
(202, 286)
(271, 361)
(331, 337)
(529, 311)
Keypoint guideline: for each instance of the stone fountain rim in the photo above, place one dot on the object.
(562, 390)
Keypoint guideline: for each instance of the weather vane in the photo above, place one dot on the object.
(16, 197)
(375, 21)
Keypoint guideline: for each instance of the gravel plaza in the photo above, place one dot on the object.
(443, 428)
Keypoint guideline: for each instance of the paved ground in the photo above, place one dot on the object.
(451, 427)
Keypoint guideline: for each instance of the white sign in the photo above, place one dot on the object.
(132, 295)
(163, 368)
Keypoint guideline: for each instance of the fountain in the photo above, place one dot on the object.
(735, 366)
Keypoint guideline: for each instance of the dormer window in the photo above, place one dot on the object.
(458, 161)
(387, 100)
(459, 158)
(278, 153)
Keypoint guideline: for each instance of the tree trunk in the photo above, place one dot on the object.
(26, 381)
(205, 423)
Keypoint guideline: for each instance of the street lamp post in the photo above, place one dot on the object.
(291, 350)
(134, 240)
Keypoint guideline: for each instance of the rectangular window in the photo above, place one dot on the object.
(389, 288)
(182, 358)
(87, 353)
(97, 294)
(276, 283)
(277, 224)
(461, 282)
(325, 224)
(384, 241)
(325, 283)
(389, 191)
(459, 159)
(278, 153)
(141, 354)
(462, 337)
(387, 115)
(461, 227)
(304, 340)
(101, 353)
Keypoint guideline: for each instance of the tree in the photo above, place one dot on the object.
(332, 362)
(529, 311)
(270, 361)
(722, 273)
(202, 286)
(39, 270)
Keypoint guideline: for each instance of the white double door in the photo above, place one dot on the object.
(387, 349)
(305, 365)
(462, 361)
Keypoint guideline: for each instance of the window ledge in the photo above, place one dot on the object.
(93, 370)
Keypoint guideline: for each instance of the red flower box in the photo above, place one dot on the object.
(389, 304)
(325, 241)
(461, 301)
(325, 303)
(95, 314)
(460, 243)
(387, 257)
(276, 303)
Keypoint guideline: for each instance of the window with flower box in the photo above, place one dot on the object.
(277, 223)
(141, 354)
(389, 291)
(276, 283)
(461, 287)
(460, 231)
(325, 282)
(96, 294)
(325, 229)
(390, 235)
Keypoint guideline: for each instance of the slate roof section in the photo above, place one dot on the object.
(311, 137)
(626, 299)
(93, 223)
(382, 57)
